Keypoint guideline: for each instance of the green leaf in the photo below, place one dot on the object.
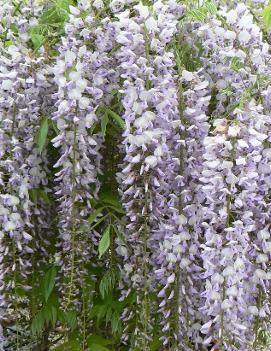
(37, 40)
(71, 319)
(211, 8)
(94, 215)
(116, 324)
(109, 198)
(267, 17)
(71, 345)
(156, 343)
(200, 14)
(48, 283)
(38, 323)
(101, 311)
(104, 242)
(97, 339)
(53, 316)
(108, 282)
(42, 134)
(97, 347)
(104, 122)
(116, 118)
(44, 196)
(236, 64)
(36, 194)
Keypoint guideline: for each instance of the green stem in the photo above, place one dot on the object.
(73, 221)
(257, 322)
(145, 272)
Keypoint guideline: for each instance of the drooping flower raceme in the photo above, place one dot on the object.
(85, 80)
(24, 81)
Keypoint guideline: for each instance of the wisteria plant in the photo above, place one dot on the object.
(135, 175)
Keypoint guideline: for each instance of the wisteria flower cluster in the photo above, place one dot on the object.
(135, 175)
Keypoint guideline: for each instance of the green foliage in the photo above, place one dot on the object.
(267, 17)
(236, 64)
(39, 194)
(201, 13)
(71, 345)
(97, 342)
(48, 283)
(42, 134)
(49, 311)
(108, 282)
(104, 243)
(116, 118)
(94, 215)
(47, 299)
(156, 343)
(51, 24)
(104, 123)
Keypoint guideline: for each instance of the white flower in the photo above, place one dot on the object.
(232, 16)
(70, 56)
(117, 5)
(260, 273)
(136, 159)
(184, 262)
(63, 106)
(217, 278)
(233, 131)
(74, 76)
(15, 216)
(262, 258)
(142, 10)
(229, 35)
(75, 94)
(81, 84)
(241, 161)
(244, 36)
(151, 24)
(151, 161)
(7, 84)
(263, 234)
(84, 102)
(98, 4)
(228, 271)
(267, 247)
(128, 267)
(171, 258)
(239, 263)
(181, 219)
(158, 152)
(171, 278)
(267, 153)
(205, 328)
(226, 304)
(242, 143)
(143, 121)
(253, 310)
(9, 226)
(74, 11)
(13, 200)
(232, 291)
(188, 76)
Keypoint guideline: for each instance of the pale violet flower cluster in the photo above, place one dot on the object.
(24, 81)
(194, 179)
(85, 78)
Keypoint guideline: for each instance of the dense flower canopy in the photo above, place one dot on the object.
(135, 175)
